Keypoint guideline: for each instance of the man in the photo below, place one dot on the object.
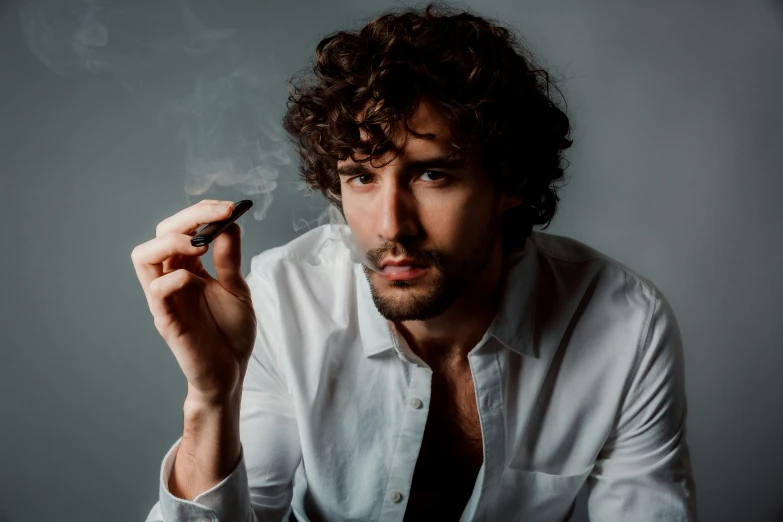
(468, 368)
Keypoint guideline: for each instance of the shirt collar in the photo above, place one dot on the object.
(513, 322)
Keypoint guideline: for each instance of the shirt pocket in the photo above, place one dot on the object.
(536, 495)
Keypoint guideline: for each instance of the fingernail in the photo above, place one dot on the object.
(222, 208)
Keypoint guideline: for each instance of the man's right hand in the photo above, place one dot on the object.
(208, 323)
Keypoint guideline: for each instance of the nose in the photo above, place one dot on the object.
(397, 219)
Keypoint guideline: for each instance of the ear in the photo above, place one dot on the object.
(509, 201)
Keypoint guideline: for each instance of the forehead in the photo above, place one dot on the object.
(426, 120)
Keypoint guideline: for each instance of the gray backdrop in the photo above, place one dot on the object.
(675, 172)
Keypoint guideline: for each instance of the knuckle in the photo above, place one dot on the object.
(181, 277)
(171, 283)
(155, 287)
(137, 255)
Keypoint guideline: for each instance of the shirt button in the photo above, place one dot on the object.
(395, 496)
(416, 402)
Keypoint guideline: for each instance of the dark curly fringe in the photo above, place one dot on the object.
(497, 100)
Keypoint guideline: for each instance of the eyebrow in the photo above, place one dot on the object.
(447, 161)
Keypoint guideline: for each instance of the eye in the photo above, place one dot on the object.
(435, 174)
(367, 177)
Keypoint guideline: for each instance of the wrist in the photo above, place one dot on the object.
(210, 440)
(196, 401)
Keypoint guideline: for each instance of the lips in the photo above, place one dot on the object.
(392, 269)
(399, 262)
(402, 273)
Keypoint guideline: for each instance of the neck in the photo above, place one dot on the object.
(445, 340)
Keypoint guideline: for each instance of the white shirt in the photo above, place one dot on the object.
(580, 377)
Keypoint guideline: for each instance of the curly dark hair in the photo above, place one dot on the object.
(489, 88)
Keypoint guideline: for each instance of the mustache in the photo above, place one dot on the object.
(420, 256)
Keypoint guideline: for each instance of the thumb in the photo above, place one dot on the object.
(227, 258)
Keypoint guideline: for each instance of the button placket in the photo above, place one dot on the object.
(487, 378)
(411, 432)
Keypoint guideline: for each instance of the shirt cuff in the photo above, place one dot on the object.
(227, 500)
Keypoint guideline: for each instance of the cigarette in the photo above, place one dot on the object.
(212, 230)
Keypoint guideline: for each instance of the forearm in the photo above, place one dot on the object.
(210, 447)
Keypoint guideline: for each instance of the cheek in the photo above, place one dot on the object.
(457, 217)
(358, 208)
(358, 222)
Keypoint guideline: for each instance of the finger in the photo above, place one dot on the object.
(227, 258)
(175, 262)
(189, 263)
(193, 264)
(166, 290)
(188, 220)
(148, 257)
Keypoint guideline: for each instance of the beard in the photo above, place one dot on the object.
(429, 296)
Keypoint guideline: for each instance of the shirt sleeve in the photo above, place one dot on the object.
(260, 488)
(643, 472)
